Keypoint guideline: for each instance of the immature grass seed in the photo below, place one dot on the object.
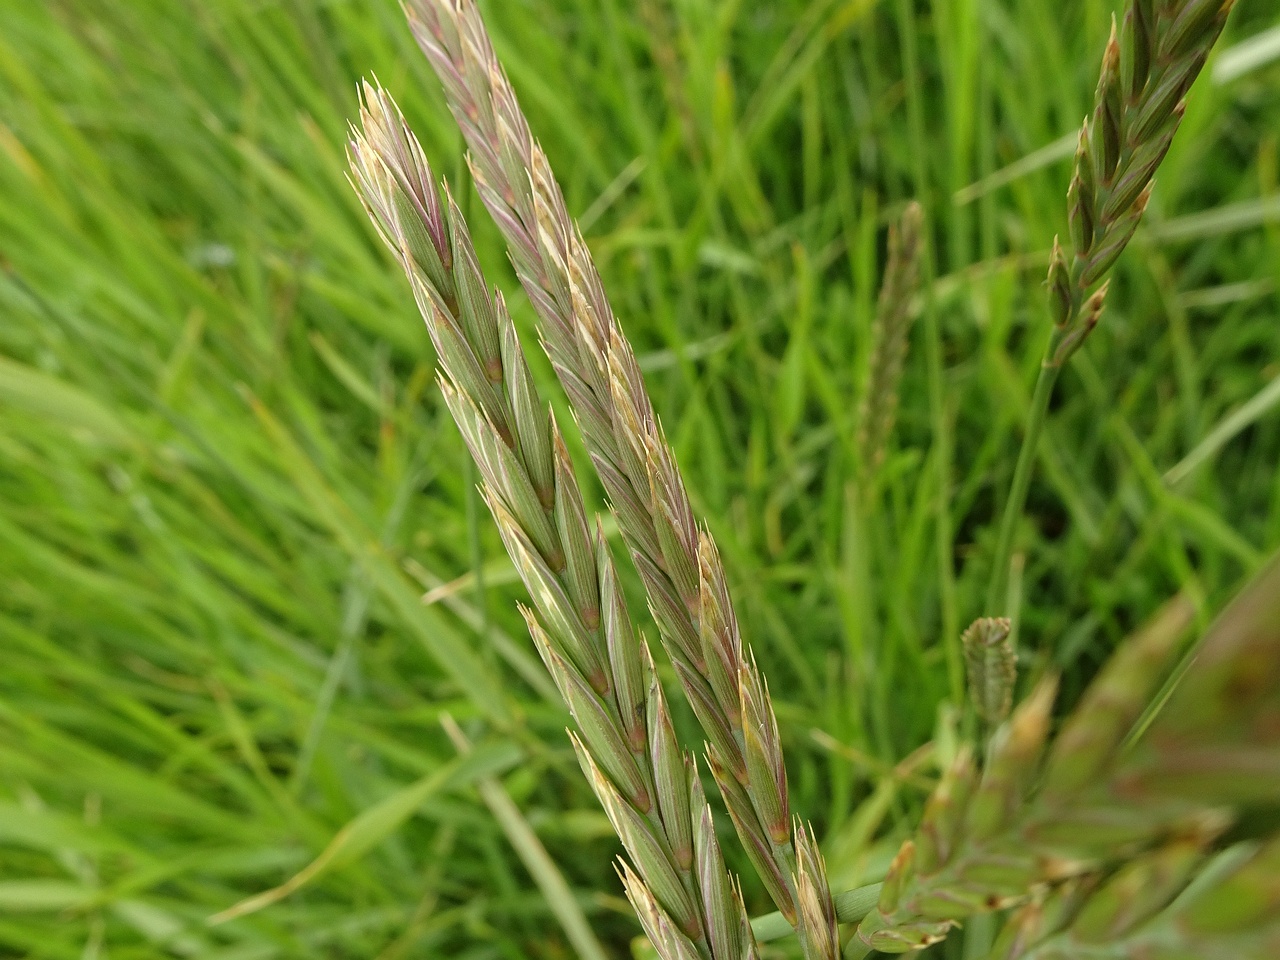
(602, 379)
(581, 627)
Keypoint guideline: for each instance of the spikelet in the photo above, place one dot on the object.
(818, 927)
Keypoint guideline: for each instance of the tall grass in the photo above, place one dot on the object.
(227, 481)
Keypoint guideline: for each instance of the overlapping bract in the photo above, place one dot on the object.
(1173, 903)
(1147, 69)
(625, 740)
(682, 572)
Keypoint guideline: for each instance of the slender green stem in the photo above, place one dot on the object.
(851, 907)
(546, 875)
(1021, 481)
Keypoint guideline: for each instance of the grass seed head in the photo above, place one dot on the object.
(992, 667)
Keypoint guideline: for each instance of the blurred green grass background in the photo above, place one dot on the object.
(245, 571)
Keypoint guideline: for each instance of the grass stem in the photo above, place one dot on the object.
(1017, 498)
(851, 907)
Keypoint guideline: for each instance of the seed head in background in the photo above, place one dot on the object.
(1148, 66)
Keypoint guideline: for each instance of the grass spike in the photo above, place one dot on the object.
(1120, 147)
(889, 336)
(596, 364)
(581, 626)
